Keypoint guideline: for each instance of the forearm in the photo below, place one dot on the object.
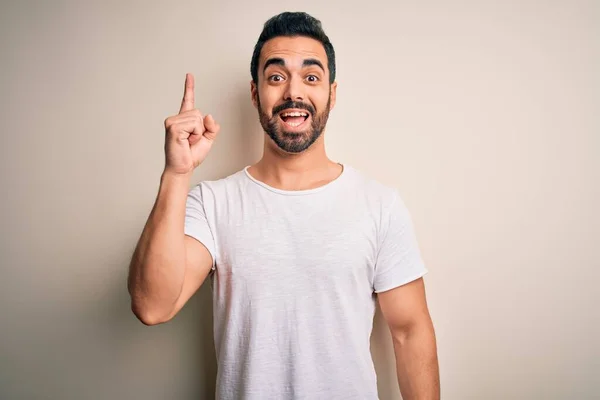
(157, 267)
(417, 363)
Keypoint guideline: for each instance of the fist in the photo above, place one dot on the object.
(189, 134)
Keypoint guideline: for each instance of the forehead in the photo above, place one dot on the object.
(293, 50)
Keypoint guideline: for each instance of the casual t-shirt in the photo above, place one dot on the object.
(294, 279)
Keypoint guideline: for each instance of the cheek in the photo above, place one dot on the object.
(321, 104)
(268, 100)
(321, 98)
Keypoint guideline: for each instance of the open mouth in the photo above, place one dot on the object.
(294, 119)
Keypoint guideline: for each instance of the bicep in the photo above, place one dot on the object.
(404, 306)
(198, 264)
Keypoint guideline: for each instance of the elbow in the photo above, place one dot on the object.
(148, 316)
(399, 336)
(420, 330)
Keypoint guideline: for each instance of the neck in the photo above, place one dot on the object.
(307, 170)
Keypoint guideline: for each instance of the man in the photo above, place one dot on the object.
(298, 247)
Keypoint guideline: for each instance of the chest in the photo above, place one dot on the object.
(288, 248)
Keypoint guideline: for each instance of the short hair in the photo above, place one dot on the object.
(292, 24)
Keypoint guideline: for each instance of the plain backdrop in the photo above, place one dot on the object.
(485, 115)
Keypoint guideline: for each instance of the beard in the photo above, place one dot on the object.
(293, 142)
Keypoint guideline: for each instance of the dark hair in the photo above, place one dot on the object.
(293, 24)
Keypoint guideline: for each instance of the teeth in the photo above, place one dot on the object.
(294, 114)
(294, 124)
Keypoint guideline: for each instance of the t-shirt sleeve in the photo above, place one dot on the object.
(196, 222)
(399, 258)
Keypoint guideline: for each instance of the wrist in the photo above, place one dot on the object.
(176, 176)
(170, 180)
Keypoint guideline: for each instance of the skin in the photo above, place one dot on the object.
(406, 313)
(308, 87)
(167, 266)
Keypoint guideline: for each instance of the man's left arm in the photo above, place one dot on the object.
(405, 310)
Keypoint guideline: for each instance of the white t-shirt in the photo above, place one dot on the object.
(294, 280)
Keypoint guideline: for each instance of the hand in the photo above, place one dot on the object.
(189, 135)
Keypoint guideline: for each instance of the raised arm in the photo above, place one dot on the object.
(167, 267)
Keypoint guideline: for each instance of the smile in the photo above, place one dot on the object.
(294, 119)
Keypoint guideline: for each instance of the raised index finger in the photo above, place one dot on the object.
(188, 95)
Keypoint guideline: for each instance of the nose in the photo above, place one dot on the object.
(294, 90)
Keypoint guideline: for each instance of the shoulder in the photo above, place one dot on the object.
(392, 216)
(384, 201)
(374, 190)
(232, 180)
(213, 189)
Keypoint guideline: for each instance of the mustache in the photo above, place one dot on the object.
(293, 104)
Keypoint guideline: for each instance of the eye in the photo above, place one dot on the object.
(276, 78)
(312, 78)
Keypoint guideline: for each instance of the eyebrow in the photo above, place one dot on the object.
(280, 61)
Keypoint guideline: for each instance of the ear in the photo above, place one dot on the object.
(333, 95)
(254, 93)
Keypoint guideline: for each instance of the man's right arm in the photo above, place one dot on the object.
(167, 266)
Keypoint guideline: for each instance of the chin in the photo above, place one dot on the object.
(294, 142)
